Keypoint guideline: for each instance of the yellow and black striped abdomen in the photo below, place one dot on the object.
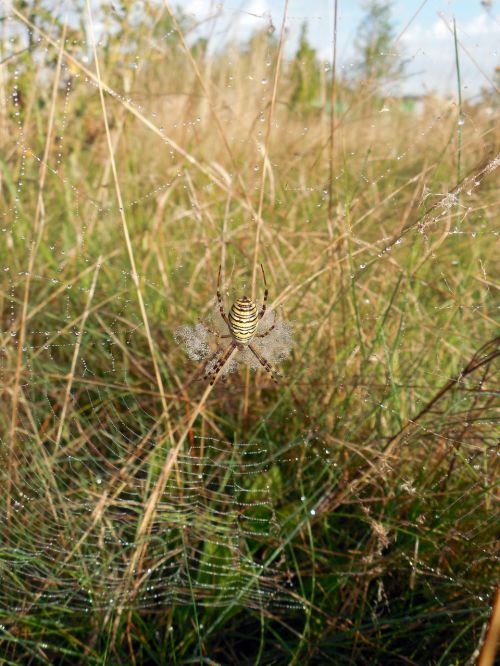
(243, 319)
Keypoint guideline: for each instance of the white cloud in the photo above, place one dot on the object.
(253, 15)
(200, 9)
(432, 53)
(480, 25)
(233, 20)
(243, 17)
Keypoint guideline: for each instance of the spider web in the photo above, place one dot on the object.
(85, 432)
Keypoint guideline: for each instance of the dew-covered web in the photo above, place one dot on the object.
(124, 481)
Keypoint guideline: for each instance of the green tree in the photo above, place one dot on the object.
(377, 60)
(304, 75)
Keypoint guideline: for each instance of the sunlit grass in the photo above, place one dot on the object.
(376, 452)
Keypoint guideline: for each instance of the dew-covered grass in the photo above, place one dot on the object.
(348, 515)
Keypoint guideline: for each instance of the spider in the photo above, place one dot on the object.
(242, 322)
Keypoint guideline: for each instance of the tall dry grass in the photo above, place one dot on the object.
(377, 452)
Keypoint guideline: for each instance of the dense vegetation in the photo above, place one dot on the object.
(376, 454)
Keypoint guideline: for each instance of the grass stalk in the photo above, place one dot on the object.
(76, 352)
(262, 188)
(38, 228)
(460, 105)
(126, 234)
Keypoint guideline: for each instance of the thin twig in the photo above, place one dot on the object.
(153, 500)
(490, 645)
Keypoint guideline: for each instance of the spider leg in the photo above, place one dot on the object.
(220, 364)
(203, 373)
(207, 328)
(219, 299)
(220, 351)
(266, 292)
(263, 335)
(265, 364)
(212, 331)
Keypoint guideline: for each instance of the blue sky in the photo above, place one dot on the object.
(427, 42)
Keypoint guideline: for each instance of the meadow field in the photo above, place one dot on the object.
(343, 510)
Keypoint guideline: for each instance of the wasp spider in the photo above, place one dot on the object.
(257, 338)
(242, 322)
